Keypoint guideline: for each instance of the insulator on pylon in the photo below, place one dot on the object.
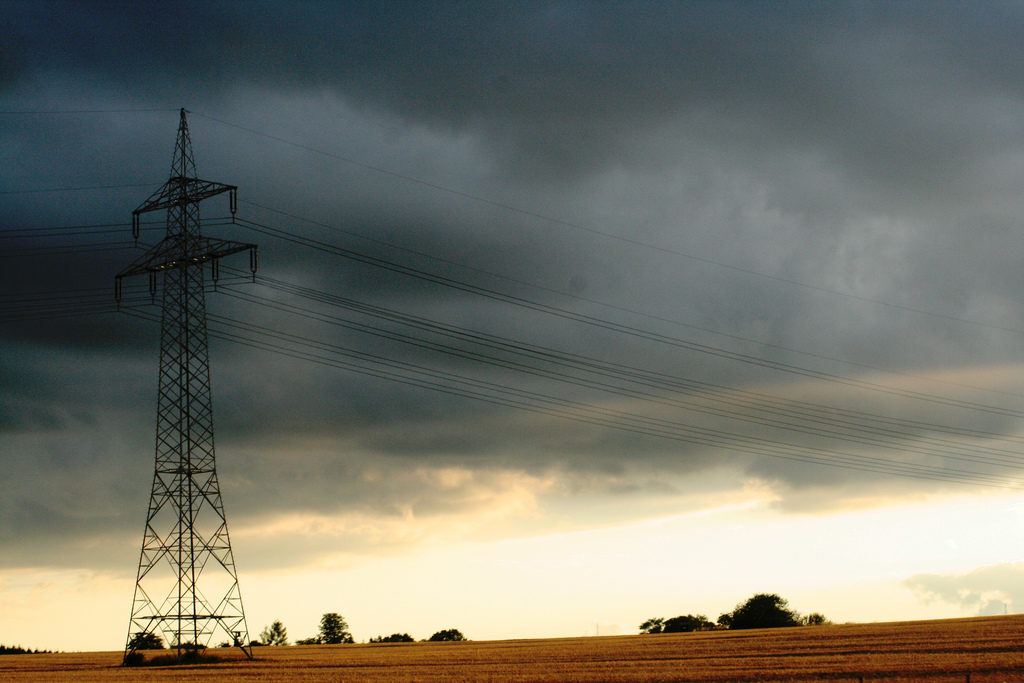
(152, 284)
(233, 202)
(215, 270)
(135, 226)
(117, 289)
(253, 262)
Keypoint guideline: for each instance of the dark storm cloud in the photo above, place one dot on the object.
(563, 86)
(525, 148)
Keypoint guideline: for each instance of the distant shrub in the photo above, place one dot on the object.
(134, 659)
(764, 610)
(687, 623)
(145, 641)
(447, 635)
(653, 625)
(190, 656)
(393, 638)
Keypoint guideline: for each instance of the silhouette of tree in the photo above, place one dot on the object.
(725, 619)
(334, 629)
(764, 610)
(447, 635)
(652, 625)
(146, 641)
(275, 634)
(393, 638)
(685, 624)
(816, 619)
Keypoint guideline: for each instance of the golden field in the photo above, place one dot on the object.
(984, 649)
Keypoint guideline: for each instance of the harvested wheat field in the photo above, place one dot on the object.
(977, 650)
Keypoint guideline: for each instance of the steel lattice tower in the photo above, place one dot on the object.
(187, 585)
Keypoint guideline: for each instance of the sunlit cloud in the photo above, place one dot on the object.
(991, 590)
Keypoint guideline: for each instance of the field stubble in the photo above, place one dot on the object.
(989, 649)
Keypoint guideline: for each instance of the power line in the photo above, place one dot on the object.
(612, 326)
(577, 317)
(762, 409)
(56, 250)
(93, 229)
(473, 387)
(81, 188)
(862, 428)
(590, 320)
(623, 309)
(86, 111)
(57, 304)
(654, 379)
(375, 365)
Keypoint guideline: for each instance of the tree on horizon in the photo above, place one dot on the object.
(764, 610)
(275, 634)
(394, 638)
(447, 635)
(334, 629)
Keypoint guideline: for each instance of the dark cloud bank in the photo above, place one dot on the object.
(750, 177)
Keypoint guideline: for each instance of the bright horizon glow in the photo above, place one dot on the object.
(604, 580)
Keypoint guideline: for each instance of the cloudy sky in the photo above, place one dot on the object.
(568, 314)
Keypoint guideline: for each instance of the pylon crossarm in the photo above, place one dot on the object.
(156, 258)
(173, 253)
(181, 191)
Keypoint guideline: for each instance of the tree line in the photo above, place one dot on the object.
(763, 610)
(333, 630)
(18, 650)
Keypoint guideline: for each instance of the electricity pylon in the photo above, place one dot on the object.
(186, 589)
